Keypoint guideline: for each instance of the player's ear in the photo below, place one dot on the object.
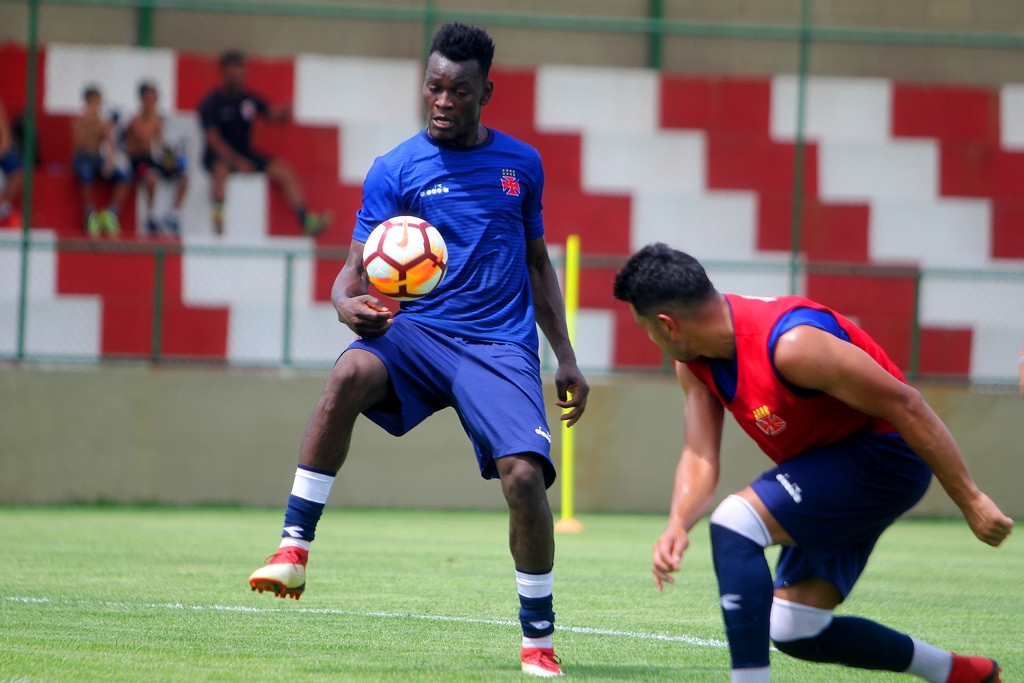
(669, 323)
(485, 97)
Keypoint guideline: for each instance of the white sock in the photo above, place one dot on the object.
(544, 642)
(534, 585)
(758, 675)
(930, 663)
(287, 542)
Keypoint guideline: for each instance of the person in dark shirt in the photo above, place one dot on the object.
(227, 115)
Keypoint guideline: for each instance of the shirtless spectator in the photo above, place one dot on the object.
(13, 174)
(227, 115)
(152, 159)
(96, 157)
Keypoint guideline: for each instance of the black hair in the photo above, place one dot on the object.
(461, 43)
(91, 90)
(146, 85)
(231, 58)
(659, 275)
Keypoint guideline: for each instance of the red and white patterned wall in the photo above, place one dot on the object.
(922, 176)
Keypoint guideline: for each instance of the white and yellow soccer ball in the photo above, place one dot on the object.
(405, 258)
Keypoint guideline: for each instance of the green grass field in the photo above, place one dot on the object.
(160, 594)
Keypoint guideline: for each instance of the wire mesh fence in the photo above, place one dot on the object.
(869, 157)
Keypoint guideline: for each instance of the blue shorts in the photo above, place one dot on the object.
(494, 388)
(141, 165)
(836, 501)
(11, 162)
(88, 167)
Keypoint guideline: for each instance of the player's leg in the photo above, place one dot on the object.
(282, 175)
(395, 381)
(173, 219)
(508, 427)
(86, 167)
(358, 380)
(12, 166)
(739, 534)
(112, 216)
(532, 542)
(815, 634)
(835, 503)
(219, 172)
(146, 176)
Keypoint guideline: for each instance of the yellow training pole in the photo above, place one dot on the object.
(568, 523)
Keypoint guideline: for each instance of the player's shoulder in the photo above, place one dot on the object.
(510, 143)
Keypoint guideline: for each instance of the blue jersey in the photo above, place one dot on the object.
(486, 202)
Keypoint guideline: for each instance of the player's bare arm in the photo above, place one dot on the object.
(815, 359)
(696, 475)
(361, 312)
(550, 311)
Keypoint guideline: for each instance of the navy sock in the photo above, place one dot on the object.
(856, 642)
(745, 586)
(306, 502)
(537, 616)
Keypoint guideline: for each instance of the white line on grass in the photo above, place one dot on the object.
(689, 640)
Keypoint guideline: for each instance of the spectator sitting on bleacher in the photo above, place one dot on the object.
(151, 159)
(96, 157)
(227, 115)
(11, 165)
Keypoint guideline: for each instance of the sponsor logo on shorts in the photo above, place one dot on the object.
(543, 432)
(792, 489)
(769, 423)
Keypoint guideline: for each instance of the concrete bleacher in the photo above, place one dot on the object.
(908, 175)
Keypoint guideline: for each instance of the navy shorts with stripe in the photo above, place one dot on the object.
(836, 501)
(494, 388)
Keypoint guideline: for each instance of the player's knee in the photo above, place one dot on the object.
(794, 628)
(736, 514)
(352, 387)
(522, 478)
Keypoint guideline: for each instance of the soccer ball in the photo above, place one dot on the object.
(405, 258)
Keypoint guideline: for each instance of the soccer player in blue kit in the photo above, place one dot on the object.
(471, 344)
(855, 447)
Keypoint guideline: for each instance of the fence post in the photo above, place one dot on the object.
(289, 270)
(145, 23)
(30, 162)
(915, 330)
(796, 227)
(655, 12)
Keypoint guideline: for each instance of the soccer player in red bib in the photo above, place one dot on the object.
(854, 445)
(471, 344)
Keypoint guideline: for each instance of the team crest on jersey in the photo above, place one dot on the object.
(769, 423)
(509, 182)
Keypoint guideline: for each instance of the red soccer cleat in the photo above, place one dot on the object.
(540, 661)
(284, 573)
(974, 670)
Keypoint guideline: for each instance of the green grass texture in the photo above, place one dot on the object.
(123, 593)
